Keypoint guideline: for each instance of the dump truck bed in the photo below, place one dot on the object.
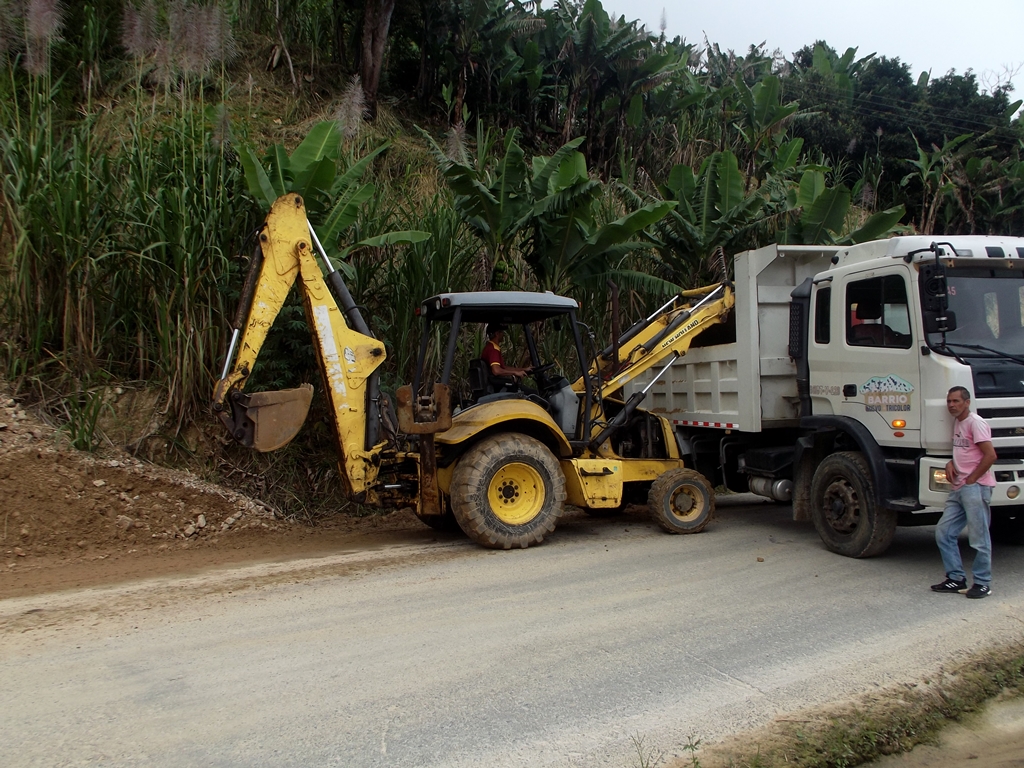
(748, 384)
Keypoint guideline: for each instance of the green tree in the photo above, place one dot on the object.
(547, 213)
(824, 215)
(332, 200)
(713, 210)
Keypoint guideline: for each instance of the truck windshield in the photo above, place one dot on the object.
(989, 308)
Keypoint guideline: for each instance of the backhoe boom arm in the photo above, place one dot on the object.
(349, 357)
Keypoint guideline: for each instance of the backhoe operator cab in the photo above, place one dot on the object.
(447, 316)
(509, 457)
(499, 462)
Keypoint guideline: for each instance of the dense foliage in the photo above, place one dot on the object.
(546, 147)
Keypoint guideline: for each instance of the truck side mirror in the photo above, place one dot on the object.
(933, 288)
(937, 321)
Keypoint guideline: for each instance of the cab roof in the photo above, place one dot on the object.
(508, 307)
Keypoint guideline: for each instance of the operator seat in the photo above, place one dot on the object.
(478, 375)
(871, 333)
(483, 383)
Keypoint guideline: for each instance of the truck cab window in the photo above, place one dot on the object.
(822, 309)
(877, 314)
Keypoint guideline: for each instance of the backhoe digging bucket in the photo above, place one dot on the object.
(267, 421)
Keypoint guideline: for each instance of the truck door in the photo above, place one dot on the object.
(862, 354)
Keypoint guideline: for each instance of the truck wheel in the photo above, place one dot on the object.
(681, 501)
(507, 491)
(844, 510)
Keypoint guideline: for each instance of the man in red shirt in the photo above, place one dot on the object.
(492, 355)
(970, 474)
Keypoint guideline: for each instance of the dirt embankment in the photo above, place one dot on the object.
(72, 519)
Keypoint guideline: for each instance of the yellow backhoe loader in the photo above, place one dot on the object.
(498, 460)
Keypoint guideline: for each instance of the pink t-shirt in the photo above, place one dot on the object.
(967, 433)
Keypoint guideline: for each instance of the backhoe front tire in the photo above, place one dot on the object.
(507, 491)
(681, 501)
(844, 510)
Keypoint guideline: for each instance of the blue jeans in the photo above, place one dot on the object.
(967, 507)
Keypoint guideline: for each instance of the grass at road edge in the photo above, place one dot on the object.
(883, 722)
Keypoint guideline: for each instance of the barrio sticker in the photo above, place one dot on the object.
(886, 393)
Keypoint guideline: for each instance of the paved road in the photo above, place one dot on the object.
(449, 655)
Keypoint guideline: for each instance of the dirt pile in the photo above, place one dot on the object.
(74, 519)
(63, 504)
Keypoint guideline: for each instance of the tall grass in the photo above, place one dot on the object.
(394, 283)
(119, 227)
(120, 234)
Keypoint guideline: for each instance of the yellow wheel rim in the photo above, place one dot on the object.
(686, 504)
(516, 493)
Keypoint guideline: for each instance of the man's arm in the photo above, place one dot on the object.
(496, 363)
(988, 458)
(503, 370)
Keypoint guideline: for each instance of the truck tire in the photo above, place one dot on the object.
(844, 510)
(681, 501)
(507, 491)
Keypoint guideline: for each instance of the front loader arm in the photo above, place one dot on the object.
(348, 358)
(667, 333)
(659, 340)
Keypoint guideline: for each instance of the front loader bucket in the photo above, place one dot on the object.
(267, 421)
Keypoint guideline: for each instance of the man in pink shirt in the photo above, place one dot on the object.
(970, 473)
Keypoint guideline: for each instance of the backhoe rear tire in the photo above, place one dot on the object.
(507, 491)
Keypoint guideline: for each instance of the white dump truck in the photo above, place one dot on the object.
(827, 388)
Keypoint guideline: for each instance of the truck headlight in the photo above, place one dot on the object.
(938, 481)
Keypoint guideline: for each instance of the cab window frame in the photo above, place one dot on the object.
(881, 304)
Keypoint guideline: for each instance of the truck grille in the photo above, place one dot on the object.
(1000, 413)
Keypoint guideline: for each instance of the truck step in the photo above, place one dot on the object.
(906, 504)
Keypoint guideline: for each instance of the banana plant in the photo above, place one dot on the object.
(547, 211)
(843, 70)
(333, 201)
(762, 127)
(713, 210)
(568, 245)
(933, 172)
(823, 211)
(491, 193)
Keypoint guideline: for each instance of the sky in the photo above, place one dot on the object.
(936, 36)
